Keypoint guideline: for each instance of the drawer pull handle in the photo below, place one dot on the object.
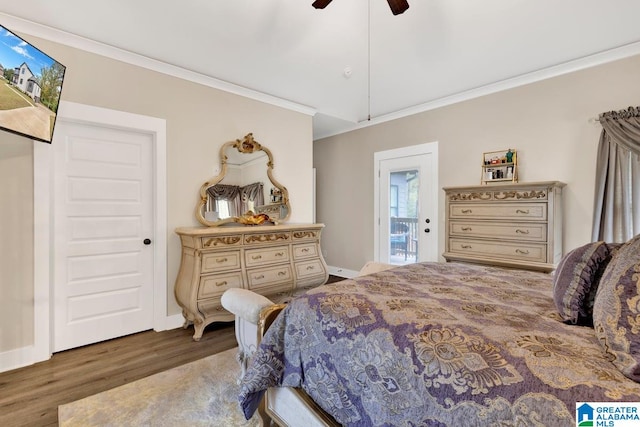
(259, 277)
(223, 283)
(221, 260)
(466, 246)
(522, 231)
(520, 251)
(311, 267)
(282, 273)
(466, 211)
(466, 228)
(305, 250)
(521, 211)
(256, 257)
(280, 254)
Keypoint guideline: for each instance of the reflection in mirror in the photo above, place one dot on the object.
(245, 191)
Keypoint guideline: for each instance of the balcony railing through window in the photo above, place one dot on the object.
(404, 238)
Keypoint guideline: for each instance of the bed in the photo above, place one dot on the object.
(453, 344)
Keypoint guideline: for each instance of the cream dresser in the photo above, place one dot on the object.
(269, 260)
(513, 225)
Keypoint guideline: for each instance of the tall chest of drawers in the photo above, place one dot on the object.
(512, 225)
(273, 261)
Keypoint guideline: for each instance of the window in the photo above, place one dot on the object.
(393, 200)
(222, 207)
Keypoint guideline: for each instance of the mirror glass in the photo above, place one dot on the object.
(245, 191)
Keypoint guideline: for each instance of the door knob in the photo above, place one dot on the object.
(427, 220)
(147, 241)
(426, 230)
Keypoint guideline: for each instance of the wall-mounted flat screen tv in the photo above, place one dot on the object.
(30, 88)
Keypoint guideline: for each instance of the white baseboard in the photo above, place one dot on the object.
(25, 356)
(173, 321)
(342, 272)
(19, 358)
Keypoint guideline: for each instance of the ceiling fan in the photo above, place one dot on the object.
(397, 6)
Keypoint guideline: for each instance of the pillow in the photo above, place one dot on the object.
(576, 278)
(613, 249)
(616, 310)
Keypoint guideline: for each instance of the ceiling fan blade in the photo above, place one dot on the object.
(320, 4)
(398, 6)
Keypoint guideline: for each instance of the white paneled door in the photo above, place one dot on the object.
(103, 225)
(406, 202)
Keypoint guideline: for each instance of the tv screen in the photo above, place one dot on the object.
(30, 87)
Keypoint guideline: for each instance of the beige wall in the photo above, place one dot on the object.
(547, 122)
(16, 235)
(199, 120)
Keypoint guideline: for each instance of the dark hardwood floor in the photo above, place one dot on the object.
(30, 396)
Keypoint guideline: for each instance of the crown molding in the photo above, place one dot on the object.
(16, 24)
(589, 61)
(78, 42)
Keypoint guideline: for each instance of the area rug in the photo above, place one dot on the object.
(200, 393)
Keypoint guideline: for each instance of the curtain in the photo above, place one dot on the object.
(228, 193)
(237, 197)
(617, 197)
(252, 192)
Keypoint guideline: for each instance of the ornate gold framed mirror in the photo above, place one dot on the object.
(245, 191)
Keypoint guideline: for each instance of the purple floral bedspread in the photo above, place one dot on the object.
(439, 345)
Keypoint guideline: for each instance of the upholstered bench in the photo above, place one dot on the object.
(247, 307)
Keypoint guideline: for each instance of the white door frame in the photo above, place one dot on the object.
(413, 150)
(43, 221)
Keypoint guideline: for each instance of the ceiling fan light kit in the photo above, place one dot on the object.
(397, 6)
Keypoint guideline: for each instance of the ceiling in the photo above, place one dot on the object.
(354, 59)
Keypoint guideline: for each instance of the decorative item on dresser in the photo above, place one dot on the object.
(499, 167)
(513, 225)
(273, 261)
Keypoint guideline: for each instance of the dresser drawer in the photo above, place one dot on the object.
(516, 231)
(220, 261)
(502, 211)
(536, 252)
(214, 285)
(275, 237)
(305, 251)
(309, 268)
(222, 242)
(212, 307)
(274, 278)
(262, 256)
(301, 235)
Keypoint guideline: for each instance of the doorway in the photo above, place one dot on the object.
(103, 222)
(152, 134)
(406, 204)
